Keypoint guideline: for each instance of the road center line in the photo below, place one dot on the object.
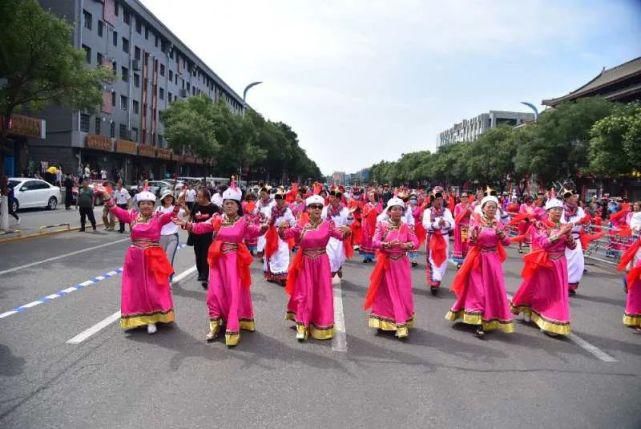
(55, 258)
(113, 317)
(592, 349)
(339, 341)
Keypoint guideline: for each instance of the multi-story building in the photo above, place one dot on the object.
(470, 129)
(338, 178)
(152, 69)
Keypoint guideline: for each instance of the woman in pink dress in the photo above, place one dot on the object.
(543, 294)
(145, 293)
(479, 285)
(228, 298)
(309, 278)
(631, 262)
(462, 213)
(370, 212)
(390, 290)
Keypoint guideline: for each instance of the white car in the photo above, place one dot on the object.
(30, 193)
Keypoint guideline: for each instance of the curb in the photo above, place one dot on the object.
(20, 237)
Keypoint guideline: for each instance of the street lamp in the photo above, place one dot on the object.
(533, 107)
(247, 88)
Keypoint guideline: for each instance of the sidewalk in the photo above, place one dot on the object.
(34, 223)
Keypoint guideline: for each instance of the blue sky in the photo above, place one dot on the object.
(362, 81)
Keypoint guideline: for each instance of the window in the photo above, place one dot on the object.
(116, 9)
(138, 26)
(101, 28)
(125, 45)
(126, 17)
(115, 36)
(84, 122)
(124, 102)
(98, 123)
(137, 53)
(156, 40)
(176, 75)
(99, 58)
(193, 90)
(171, 75)
(134, 134)
(114, 67)
(123, 131)
(112, 130)
(136, 80)
(160, 140)
(161, 93)
(162, 69)
(169, 96)
(87, 53)
(188, 86)
(87, 18)
(113, 98)
(135, 105)
(146, 33)
(125, 74)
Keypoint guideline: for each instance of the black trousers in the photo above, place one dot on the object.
(87, 212)
(122, 224)
(201, 248)
(68, 198)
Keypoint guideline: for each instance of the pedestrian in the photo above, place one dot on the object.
(573, 215)
(309, 279)
(276, 258)
(87, 172)
(59, 176)
(229, 300)
(68, 184)
(190, 196)
(169, 238)
(203, 211)
(337, 251)
(145, 294)
(251, 214)
(542, 296)
(103, 174)
(85, 203)
(462, 216)
(11, 199)
(264, 212)
(121, 197)
(438, 222)
(479, 285)
(108, 219)
(371, 210)
(390, 289)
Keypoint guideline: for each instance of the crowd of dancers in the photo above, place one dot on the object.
(304, 235)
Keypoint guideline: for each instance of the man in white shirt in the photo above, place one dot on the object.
(190, 197)
(122, 197)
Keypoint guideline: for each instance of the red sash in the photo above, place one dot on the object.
(158, 264)
(437, 247)
(292, 272)
(635, 273)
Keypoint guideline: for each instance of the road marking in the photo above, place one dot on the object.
(94, 329)
(598, 353)
(113, 317)
(339, 341)
(592, 349)
(55, 258)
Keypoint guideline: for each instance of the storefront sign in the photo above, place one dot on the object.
(24, 126)
(147, 150)
(189, 159)
(126, 146)
(163, 153)
(178, 158)
(97, 142)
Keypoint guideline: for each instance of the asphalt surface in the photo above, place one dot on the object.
(442, 376)
(31, 220)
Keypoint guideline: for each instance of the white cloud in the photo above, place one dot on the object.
(365, 80)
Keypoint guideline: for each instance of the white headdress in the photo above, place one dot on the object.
(395, 201)
(145, 196)
(233, 193)
(314, 199)
(553, 203)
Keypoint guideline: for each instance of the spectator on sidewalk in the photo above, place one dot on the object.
(68, 184)
(108, 218)
(122, 197)
(190, 197)
(85, 203)
(11, 200)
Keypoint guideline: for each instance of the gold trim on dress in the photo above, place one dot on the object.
(476, 319)
(632, 320)
(547, 325)
(134, 321)
(401, 329)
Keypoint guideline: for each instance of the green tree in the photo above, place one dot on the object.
(615, 148)
(39, 65)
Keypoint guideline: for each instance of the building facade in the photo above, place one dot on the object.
(152, 69)
(469, 130)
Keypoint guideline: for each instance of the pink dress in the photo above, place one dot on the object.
(631, 261)
(228, 299)
(311, 302)
(390, 290)
(145, 292)
(368, 227)
(462, 215)
(483, 300)
(543, 294)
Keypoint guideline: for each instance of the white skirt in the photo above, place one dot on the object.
(576, 263)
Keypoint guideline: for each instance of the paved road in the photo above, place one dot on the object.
(31, 220)
(441, 377)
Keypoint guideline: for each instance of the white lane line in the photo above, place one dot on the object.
(95, 328)
(592, 349)
(597, 352)
(113, 317)
(8, 313)
(55, 258)
(339, 341)
(32, 304)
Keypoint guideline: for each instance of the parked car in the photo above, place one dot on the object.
(30, 193)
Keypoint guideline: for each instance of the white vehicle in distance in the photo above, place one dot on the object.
(33, 193)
